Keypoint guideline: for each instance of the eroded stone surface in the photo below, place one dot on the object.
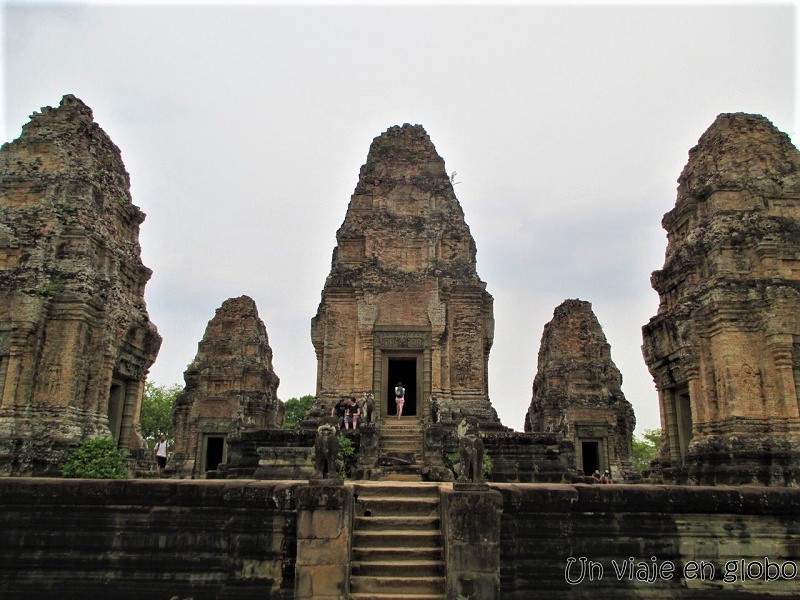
(577, 392)
(76, 341)
(230, 386)
(724, 348)
(403, 287)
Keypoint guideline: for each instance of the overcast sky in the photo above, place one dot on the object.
(243, 129)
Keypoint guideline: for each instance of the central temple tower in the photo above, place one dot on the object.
(403, 300)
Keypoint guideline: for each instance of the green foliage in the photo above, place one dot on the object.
(644, 448)
(488, 465)
(297, 409)
(97, 458)
(348, 453)
(450, 461)
(156, 417)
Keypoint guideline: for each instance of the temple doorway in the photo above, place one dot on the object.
(683, 420)
(591, 457)
(116, 408)
(405, 370)
(215, 452)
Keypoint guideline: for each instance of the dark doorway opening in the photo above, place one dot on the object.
(116, 407)
(590, 457)
(405, 370)
(215, 447)
(683, 417)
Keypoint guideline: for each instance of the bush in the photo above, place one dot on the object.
(348, 453)
(97, 458)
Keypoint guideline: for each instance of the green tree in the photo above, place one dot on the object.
(97, 458)
(645, 447)
(156, 417)
(296, 410)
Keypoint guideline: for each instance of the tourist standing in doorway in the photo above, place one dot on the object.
(400, 398)
(160, 453)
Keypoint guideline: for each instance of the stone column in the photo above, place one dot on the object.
(471, 529)
(324, 533)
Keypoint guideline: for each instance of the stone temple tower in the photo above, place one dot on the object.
(577, 391)
(76, 341)
(724, 348)
(230, 385)
(403, 300)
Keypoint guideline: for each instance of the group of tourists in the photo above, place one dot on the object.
(604, 478)
(349, 412)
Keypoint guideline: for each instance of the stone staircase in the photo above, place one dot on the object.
(397, 548)
(400, 450)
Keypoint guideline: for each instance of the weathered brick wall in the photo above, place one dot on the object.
(543, 526)
(147, 539)
(238, 539)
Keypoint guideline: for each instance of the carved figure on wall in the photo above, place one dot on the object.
(326, 452)
(470, 451)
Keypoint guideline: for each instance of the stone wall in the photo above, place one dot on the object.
(516, 457)
(230, 385)
(76, 341)
(544, 526)
(239, 539)
(135, 539)
(724, 348)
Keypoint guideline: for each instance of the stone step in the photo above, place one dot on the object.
(404, 438)
(393, 421)
(401, 430)
(399, 522)
(396, 506)
(390, 490)
(402, 449)
(398, 437)
(396, 554)
(402, 596)
(400, 568)
(397, 539)
(390, 475)
(397, 585)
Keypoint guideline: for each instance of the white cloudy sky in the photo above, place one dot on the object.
(243, 129)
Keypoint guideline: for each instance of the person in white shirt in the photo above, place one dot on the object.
(160, 453)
